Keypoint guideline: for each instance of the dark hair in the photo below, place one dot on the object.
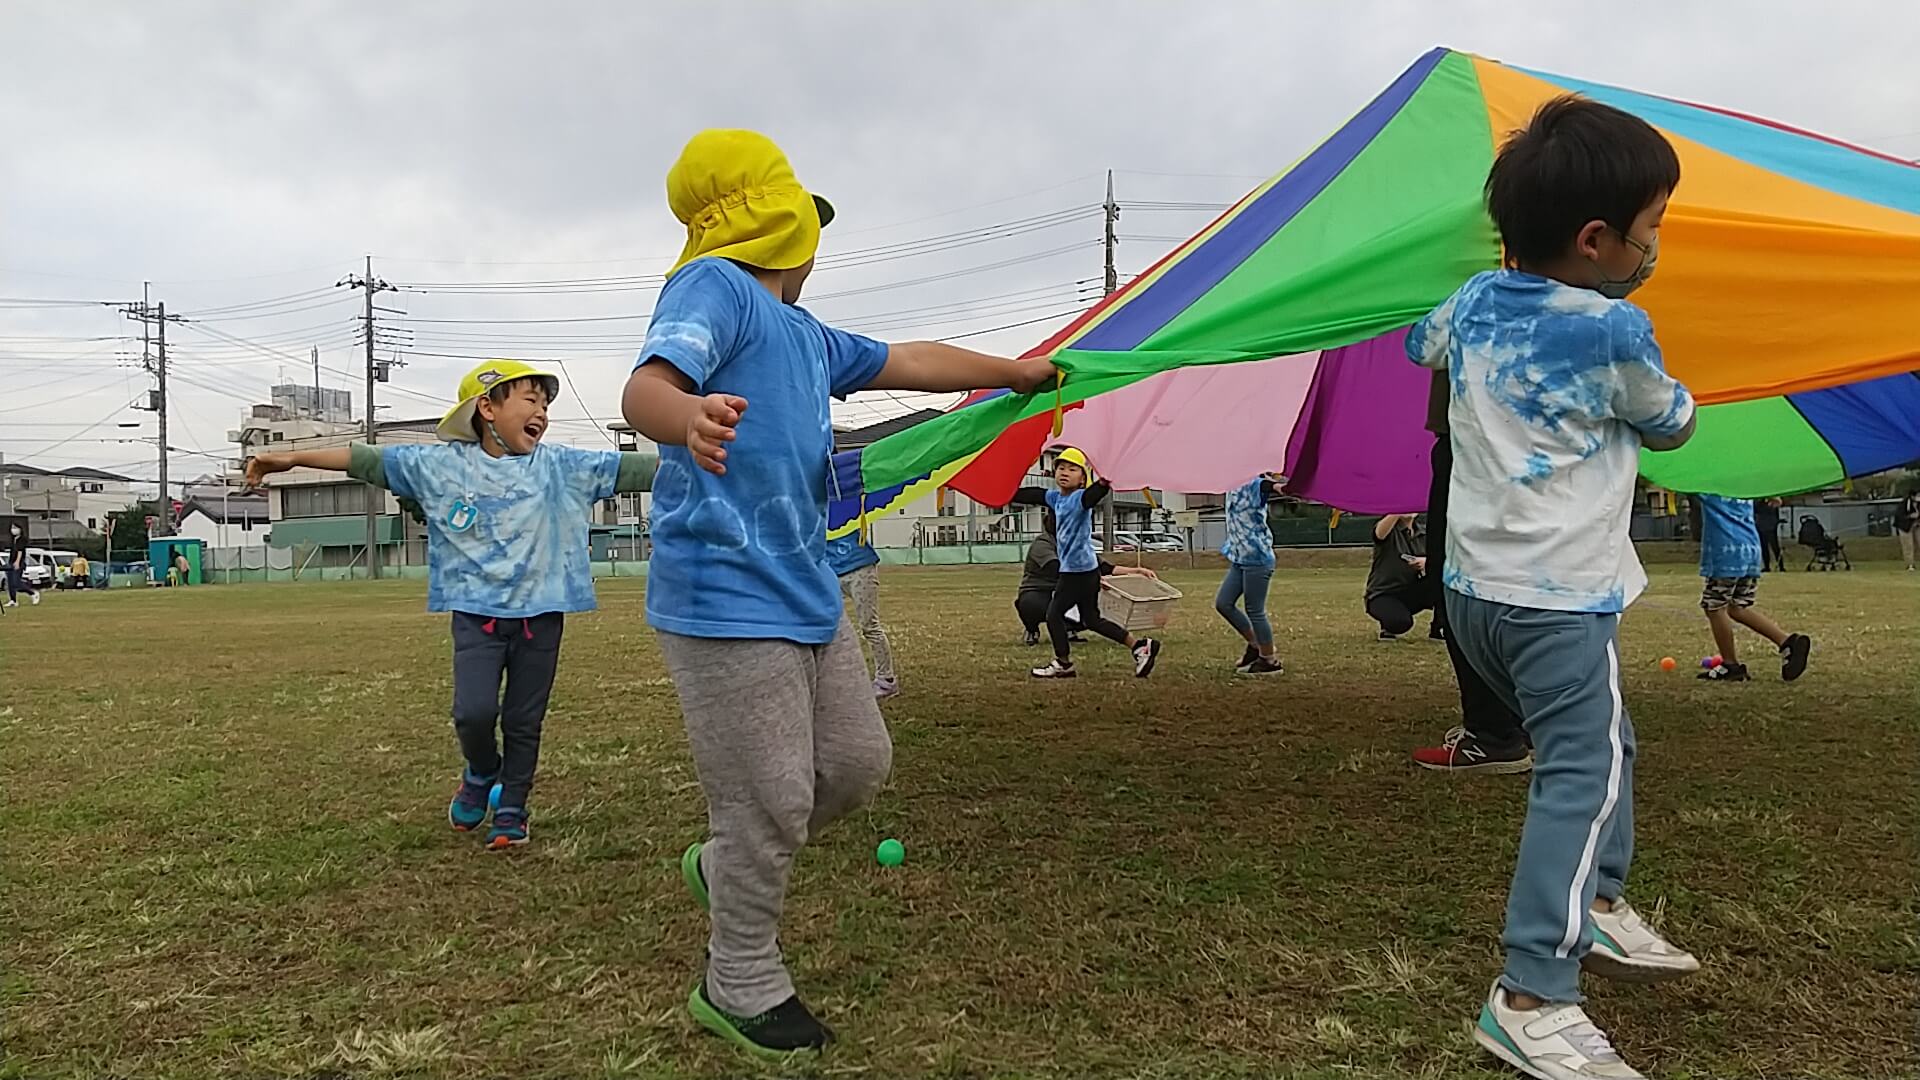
(1576, 161)
(498, 392)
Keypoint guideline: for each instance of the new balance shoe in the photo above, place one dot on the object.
(1264, 665)
(1146, 653)
(694, 876)
(1058, 669)
(1626, 949)
(1463, 752)
(468, 810)
(1793, 656)
(509, 829)
(1726, 673)
(1553, 1042)
(785, 1029)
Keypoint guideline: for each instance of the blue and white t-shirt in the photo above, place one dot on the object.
(1729, 540)
(1551, 388)
(1073, 530)
(1249, 537)
(526, 552)
(847, 554)
(744, 555)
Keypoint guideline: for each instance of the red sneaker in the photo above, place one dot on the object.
(1460, 752)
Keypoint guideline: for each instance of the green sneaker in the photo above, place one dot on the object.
(787, 1028)
(691, 873)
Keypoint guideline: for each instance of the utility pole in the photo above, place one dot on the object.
(153, 352)
(1111, 212)
(314, 351)
(376, 372)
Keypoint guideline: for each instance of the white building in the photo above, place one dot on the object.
(65, 503)
(296, 413)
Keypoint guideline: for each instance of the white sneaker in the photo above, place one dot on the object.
(1056, 670)
(35, 598)
(11, 603)
(1146, 652)
(1626, 949)
(1553, 1042)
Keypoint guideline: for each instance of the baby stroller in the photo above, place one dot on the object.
(1828, 552)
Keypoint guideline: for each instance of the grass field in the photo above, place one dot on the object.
(227, 852)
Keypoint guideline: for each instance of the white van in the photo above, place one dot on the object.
(43, 564)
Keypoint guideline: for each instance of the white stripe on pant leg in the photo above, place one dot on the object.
(1576, 916)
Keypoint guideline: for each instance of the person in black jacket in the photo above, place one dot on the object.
(1042, 573)
(17, 568)
(1766, 520)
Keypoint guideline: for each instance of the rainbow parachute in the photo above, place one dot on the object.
(1786, 299)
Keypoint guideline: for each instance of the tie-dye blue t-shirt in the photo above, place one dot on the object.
(849, 553)
(1073, 530)
(526, 552)
(1551, 388)
(1249, 537)
(1729, 540)
(744, 555)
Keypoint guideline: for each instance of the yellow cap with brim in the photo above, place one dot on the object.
(739, 199)
(457, 425)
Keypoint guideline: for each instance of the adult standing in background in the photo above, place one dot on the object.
(17, 568)
(1490, 738)
(1906, 524)
(1766, 520)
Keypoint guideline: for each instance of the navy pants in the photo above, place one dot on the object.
(524, 654)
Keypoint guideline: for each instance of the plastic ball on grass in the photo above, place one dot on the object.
(1668, 663)
(1706, 663)
(891, 852)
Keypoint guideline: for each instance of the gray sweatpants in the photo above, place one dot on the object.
(1560, 672)
(786, 738)
(526, 652)
(863, 587)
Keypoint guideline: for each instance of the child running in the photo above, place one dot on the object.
(1556, 383)
(1731, 562)
(1072, 501)
(506, 557)
(734, 383)
(1249, 554)
(858, 566)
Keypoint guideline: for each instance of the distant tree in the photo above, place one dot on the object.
(130, 531)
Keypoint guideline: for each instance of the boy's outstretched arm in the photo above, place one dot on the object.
(937, 368)
(335, 459)
(660, 403)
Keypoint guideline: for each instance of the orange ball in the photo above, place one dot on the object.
(1668, 663)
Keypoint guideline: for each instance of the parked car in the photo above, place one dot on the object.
(43, 565)
(1147, 540)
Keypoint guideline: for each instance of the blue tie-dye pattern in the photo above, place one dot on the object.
(1249, 537)
(526, 553)
(848, 553)
(1552, 387)
(744, 555)
(1073, 530)
(1729, 540)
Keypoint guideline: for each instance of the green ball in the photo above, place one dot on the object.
(891, 853)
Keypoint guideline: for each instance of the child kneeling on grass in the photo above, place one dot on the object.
(1072, 500)
(1731, 562)
(506, 556)
(1556, 383)
(734, 382)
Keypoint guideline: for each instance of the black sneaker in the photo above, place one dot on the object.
(1032, 638)
(1793, 656)
(1246, 660)
(1264, 665)
(1726, 673)
(1146, 652)
(1388, 635)
(787, 1028)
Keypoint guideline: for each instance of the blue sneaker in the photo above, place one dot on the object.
(468, 810)
(509, 829)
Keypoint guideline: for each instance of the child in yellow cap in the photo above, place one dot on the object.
(1072, 500)
(506, 556)
(734, 383)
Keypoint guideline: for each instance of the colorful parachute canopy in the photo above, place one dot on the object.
(1790, 268)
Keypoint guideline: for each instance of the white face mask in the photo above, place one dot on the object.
(1649, 258)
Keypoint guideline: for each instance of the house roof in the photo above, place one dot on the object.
(250, 508)
(854, 438)
(75, 472)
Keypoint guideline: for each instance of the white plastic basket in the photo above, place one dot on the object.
(1138, 603)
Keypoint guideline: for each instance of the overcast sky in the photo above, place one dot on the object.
(234, 153)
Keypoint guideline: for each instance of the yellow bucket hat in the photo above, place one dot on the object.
(738, 198)
(457, 425)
